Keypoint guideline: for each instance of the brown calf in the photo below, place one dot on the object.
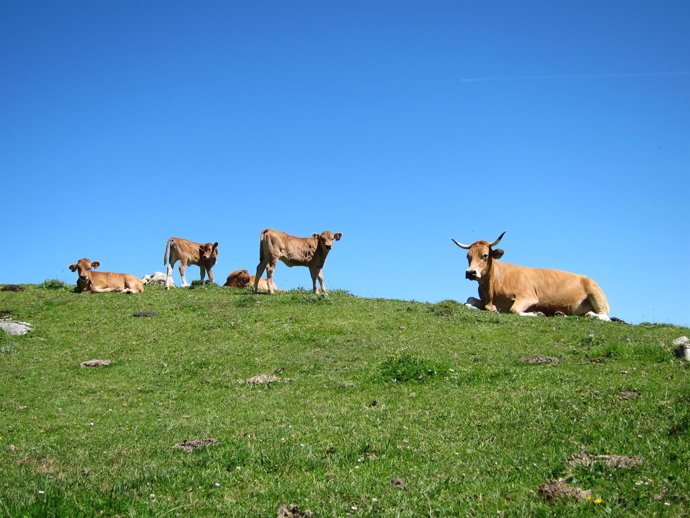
(294, 251)
(527, 291)
(100, 282)
(189, 252)
(241, 279)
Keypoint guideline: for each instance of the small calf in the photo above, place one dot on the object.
(101, 282)
(294, 251)
(242, 279)
(189, 252)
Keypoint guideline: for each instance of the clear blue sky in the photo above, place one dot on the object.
(400, 124)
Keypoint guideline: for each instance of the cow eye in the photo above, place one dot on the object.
(485, 256)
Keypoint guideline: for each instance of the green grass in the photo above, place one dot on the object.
(375, 390)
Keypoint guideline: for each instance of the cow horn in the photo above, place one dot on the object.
(464, 247)
(498, 240)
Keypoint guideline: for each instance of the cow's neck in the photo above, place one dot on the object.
(320, 255)
(485, 283)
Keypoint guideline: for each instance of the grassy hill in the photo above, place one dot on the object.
(383, 408)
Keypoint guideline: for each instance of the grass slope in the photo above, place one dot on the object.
(392, 408)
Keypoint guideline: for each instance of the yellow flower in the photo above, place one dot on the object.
(598, 501)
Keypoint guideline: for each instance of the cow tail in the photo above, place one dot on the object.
(262, 245)
(167, 249)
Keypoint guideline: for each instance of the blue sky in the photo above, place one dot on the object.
(400, 124)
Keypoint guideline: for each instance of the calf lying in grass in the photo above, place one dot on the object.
(100, 282)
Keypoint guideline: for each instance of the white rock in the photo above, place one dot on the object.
(155, 278)
(14, 328)
(682, 340)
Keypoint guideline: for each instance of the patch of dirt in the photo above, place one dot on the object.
(47, 467)
(191, 445)
(145, 314)
(613, 461)
(552, 360)
(628, 394)
(556, 490)
(398, 483)
(262, 379)
(96, 363)
(11, 287)
(292, 511)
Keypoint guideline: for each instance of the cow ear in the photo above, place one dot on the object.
(72, 267)
(315, 235)
(337, 236)
(497, 254)
(215, 245)
(95, 264)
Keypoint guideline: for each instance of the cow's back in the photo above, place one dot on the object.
(556, 290)
(115, 282)
(183, 250)
(291, 250)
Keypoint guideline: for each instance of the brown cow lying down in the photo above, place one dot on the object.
(100, 282)
(189, 252)
(294, 251)
(528, 291)
(242, 279)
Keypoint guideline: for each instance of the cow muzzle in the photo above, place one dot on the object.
(471, 275)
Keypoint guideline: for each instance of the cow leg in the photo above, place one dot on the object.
(520, 306)
(317, 275)
(96, 289)
(182, 269)
(323, 286)
(202, 270)
(210, 275)
(270, 268)
(168, 277)
(259, 272)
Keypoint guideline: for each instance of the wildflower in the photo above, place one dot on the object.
(598, 501)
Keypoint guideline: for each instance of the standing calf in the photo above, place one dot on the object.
(189, 252)
(294, 251)
(527, 291)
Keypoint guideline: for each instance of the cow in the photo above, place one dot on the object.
(294, 251)
(241, 279)
(508, 288)
(189, 252)
(101, 282)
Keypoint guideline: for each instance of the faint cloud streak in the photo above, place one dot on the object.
(572, 76)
